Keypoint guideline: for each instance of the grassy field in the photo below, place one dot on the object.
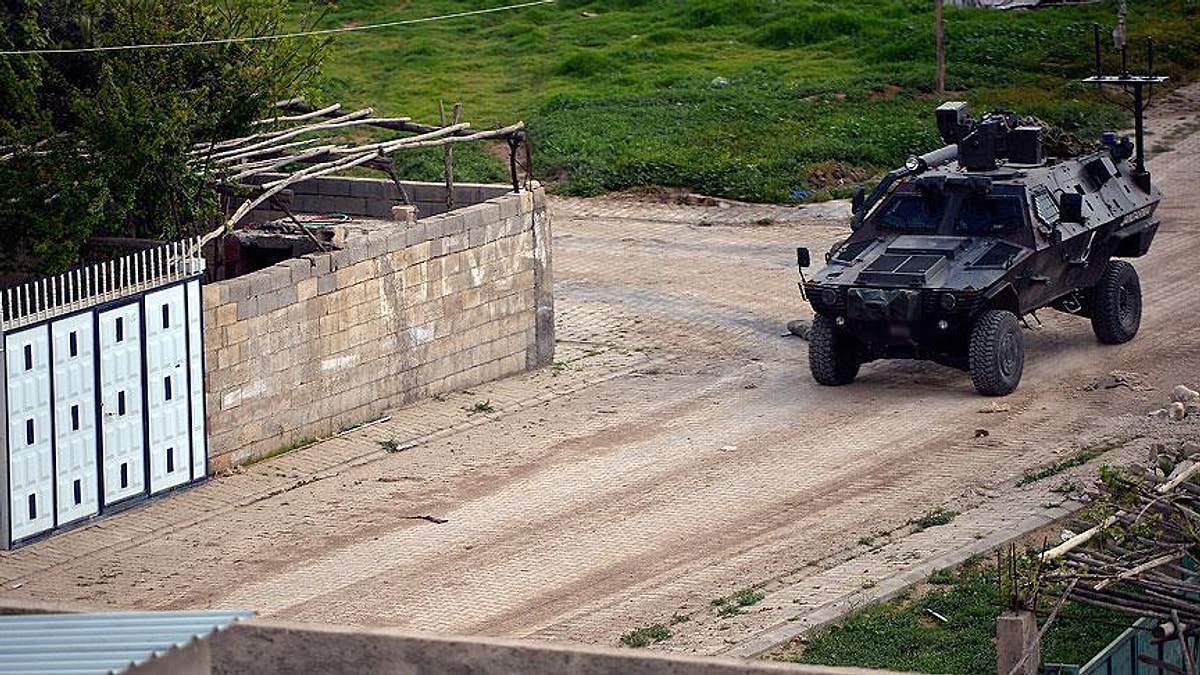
(952, 628)
(767, 100)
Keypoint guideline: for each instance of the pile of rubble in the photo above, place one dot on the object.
(1184, 403)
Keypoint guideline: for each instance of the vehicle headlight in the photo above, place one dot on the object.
(949, 302)
(829, 297)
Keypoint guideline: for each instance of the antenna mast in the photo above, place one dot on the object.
(1128, 81)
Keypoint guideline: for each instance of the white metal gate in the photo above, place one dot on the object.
(103, 396)
(167, 392)
(123, 439)
(73, 345)
(30, 451)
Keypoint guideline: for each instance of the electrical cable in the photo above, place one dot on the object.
(265, 38)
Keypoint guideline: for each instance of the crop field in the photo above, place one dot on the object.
(760, 100)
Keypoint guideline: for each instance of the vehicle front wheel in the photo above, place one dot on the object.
(997, 353)
(1117, 304)
(832, 357)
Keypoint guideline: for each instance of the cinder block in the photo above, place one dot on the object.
(247, 309)
(306, 289)
(395, 241)
(452, 223)
(480, 216)
(326, 284)
(238, 289)
(508, 205)
(367, 188)
(235, 333)
(226, 314)
(210, 295)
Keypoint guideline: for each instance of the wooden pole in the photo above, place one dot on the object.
(450, 154)
(941, 47)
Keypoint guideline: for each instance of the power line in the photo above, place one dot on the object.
(264, 38)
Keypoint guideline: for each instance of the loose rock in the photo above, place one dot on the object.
(799, 328)
(1181, 394)
(1178, 411)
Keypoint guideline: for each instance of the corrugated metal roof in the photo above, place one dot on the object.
(100, 643)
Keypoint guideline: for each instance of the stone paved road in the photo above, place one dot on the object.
(678, 452)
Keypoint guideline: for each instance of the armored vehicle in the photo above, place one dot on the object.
(950, 252)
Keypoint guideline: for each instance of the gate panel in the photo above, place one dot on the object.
(196, 379)
(77, 476)
(123, 456)
(30, 452)
(167, 388)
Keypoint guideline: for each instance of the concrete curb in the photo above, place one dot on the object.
(891, 587)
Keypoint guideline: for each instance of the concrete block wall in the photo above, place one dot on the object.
(321, 343)
(372, 198)
(273, 647)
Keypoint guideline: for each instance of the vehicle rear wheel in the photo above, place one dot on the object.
(832, 357)
(997, 353)
(1117, 304)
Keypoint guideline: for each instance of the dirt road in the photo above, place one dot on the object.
(678, 452)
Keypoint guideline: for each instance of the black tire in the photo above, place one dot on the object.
(997, 353)
(1117, 304)
(832, 357)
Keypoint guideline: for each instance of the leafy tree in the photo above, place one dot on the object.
(99, 143)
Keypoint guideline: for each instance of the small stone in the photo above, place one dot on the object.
(719, 83)
(1178, 410)
(799, 328)
(1190, 450)
(1181, 394)
(1160, 414)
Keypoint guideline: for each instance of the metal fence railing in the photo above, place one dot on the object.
(90, 285)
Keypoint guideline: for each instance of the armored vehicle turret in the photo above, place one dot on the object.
(950, 252)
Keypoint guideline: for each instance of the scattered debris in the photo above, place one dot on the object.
(996, 408)
(1135, 559)
(1181, 394)
(1120, 378)
(1185, 403)
(433, 519)
(392, 445)
(800, 328)
(981, 433)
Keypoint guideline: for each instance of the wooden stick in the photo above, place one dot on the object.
(301, 117)
(1079, 539)
(1171, 484)
(1134, 571)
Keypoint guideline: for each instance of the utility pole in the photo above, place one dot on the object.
(941, 48)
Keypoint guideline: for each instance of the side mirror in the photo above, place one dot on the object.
(802, 257)
(1070, 207)
(857, 201)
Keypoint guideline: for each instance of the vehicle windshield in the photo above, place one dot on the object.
(912, 212)
(988, 213)
(999, 210)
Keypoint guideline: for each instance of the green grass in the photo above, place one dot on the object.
(1077, 458)
(934, 518)
(276, 452)
(620, 93)
(480, 407)
(734, 604)
(645, 636)
(903, 635)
